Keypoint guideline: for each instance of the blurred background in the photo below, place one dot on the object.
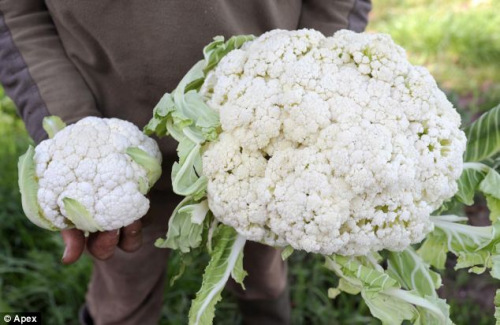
(458, 41)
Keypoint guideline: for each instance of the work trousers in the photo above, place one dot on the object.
(128, 288)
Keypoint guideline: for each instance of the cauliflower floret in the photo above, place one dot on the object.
(87, 162)
(237, 176)
(329, 144)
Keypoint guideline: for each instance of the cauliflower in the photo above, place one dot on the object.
(332, 145)
(329, 144)
(92, 175)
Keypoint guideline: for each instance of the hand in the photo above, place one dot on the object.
(101, 245)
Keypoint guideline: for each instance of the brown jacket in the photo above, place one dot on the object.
(75, 58)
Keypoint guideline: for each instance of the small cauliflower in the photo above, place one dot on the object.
(92, 175)
(329, 144)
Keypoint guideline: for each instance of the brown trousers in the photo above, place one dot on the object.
(128, 288)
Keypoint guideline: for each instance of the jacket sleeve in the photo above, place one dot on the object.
(328, 16)
(34, 68)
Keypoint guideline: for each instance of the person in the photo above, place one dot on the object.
(116, 59)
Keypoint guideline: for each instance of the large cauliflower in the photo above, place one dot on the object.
(329, 144)
(92, 175)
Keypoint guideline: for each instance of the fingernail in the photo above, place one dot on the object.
(64, 254)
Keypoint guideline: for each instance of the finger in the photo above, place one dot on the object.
(102, 244)
(131, 237)
(74, 240)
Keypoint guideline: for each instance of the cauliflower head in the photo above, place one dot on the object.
(329, 144)
(92, 175)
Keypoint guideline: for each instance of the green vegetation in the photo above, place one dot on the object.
(459, 41)
(32, 277)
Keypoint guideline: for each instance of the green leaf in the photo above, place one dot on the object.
(413, 273)
(196, 135)
(190, 107)
(461, 237)
(52, 125)
(349, 287)
(370, 277)
(389, 309)
(477, 248)
(385, 299)
(180, 271)
(494, 207)
(490, 185)
(333, 293)
(183, 234)
(430, 309)
(483, 136)
(433, 251)
(238, 273)
(476, 262)
(197, 211)
(175, 129)
(195, 84)
(497, 307)
(155, 126)
(28, 186)
(359, 274)
(184, 148)
(216, 50)
(468, 183)
(80, 216)
(143, 186)
(225, 256)
(286, 252)
(158, 124)
(433, 310)
(165, 106)
(193, 106)
(212, 229)
(185, 179)
(495, 263)
(478, 177)
(149, 163)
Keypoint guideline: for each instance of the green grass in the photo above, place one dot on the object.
(32, 277)
(457, 41)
